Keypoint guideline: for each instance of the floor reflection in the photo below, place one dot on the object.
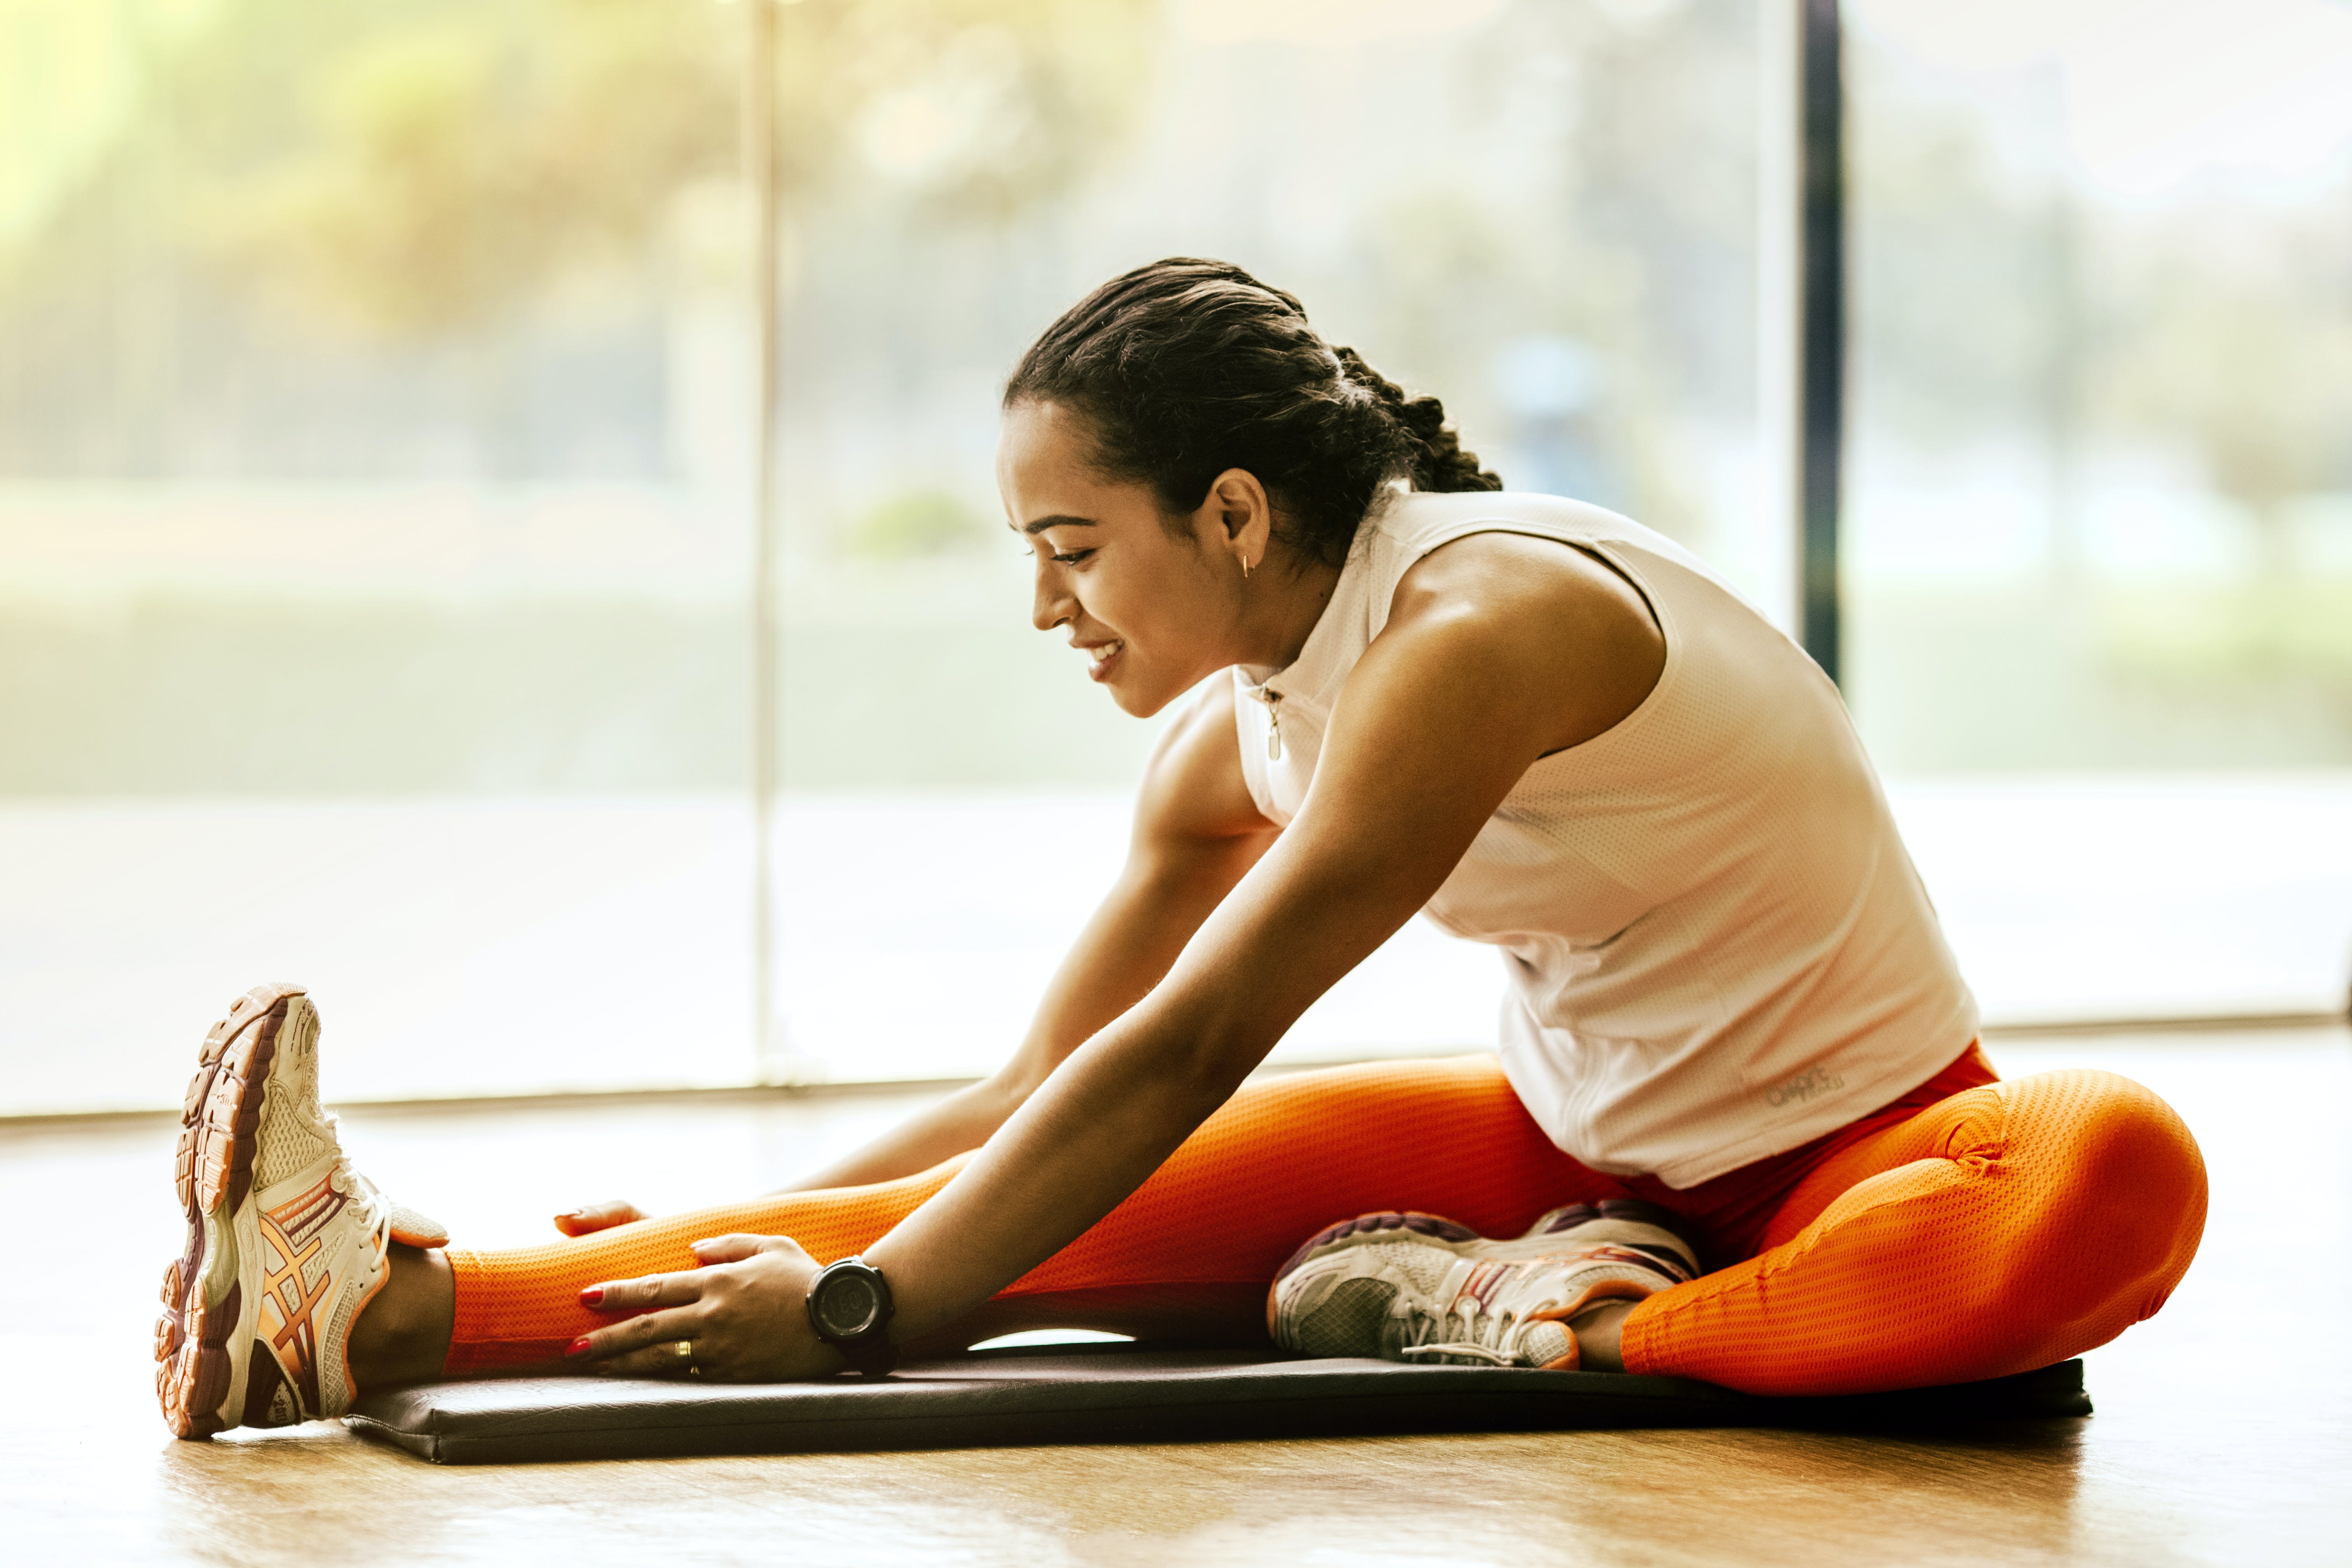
(2223, 1431)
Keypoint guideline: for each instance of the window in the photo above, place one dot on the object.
(2099, 489)
(374, 442)
(377, 434)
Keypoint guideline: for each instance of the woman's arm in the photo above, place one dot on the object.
(1196, 833)
(1478, 674)
(1499, 655)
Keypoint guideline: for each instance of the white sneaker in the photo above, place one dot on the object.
(286, 1242)
(1629, 1221)
(1416, 1288)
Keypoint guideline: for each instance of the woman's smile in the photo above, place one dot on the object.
(1101, 657)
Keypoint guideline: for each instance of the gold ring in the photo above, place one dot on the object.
(685, 1349)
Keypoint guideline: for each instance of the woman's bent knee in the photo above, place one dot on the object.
(2121, 1190)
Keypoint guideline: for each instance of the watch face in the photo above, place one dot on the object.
(847, 1305)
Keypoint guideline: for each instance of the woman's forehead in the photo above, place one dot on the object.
(1040, 434)
(1044, 469)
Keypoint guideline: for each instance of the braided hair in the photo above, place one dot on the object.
(1186, 368)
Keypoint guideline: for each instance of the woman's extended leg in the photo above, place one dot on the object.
(2003, 1229)
(1190, 1252)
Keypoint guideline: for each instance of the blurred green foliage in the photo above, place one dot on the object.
(2225, 638)
(907, 674)
(2254, 372)
(1996, 303)
(448, 180)
(916, 524)
(421, 165)
(449, 159)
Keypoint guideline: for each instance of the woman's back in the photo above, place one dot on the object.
(1718, 946)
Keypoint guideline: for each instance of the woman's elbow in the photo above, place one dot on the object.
(1203, 1072)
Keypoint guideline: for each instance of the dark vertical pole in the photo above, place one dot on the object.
(760, 178)
(1821, 331)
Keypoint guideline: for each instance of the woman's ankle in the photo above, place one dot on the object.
(403, 1335)
(1597, 1333)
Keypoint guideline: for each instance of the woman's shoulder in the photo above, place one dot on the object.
(1411, 525)
(1442, 541)
(1408, 525)
(1416, 518)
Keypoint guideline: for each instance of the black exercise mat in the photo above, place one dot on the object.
(1120, 1392)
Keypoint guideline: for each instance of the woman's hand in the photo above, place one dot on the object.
(744, 1311)
(590, 1218)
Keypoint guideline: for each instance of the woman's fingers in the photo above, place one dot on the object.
(590, 1218)
(643, 1294)
(737, 1247)
(655, 1361)
(638, 1333)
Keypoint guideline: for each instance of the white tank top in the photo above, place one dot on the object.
(1717, 947)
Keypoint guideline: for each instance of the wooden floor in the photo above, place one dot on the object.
(2224, 1432)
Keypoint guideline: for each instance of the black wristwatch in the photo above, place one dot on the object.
(849, 1308)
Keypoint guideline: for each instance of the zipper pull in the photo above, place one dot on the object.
(1273, 700)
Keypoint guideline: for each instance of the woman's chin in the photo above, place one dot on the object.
(1134, 699)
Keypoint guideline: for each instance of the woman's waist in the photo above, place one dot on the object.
(1680, 1091)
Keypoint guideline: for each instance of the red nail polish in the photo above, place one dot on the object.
(592, 1296)
(577, 1347)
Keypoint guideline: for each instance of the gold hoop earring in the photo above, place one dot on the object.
(1246, 568)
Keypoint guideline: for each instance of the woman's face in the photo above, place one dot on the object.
(1152, 612)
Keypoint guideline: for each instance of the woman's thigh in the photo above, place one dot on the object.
(1289, 1155)
(2004, 1229)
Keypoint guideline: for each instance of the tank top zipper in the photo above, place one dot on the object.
(1273, 700)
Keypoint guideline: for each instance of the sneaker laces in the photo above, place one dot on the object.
(347, 1178)
(1481, 1335)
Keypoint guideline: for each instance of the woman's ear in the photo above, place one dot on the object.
(1240, 517)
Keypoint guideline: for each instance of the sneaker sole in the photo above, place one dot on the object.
(220, 1121)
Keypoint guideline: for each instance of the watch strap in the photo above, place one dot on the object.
(870, 1354)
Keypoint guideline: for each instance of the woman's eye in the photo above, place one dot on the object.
(1072, 557)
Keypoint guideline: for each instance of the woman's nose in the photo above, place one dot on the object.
(1052, 604)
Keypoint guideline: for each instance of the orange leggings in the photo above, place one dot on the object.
(1971, 1228)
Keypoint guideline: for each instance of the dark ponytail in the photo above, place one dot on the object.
(1184, 369)
(1439, 461)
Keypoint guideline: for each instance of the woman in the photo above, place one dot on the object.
(1735, 1039)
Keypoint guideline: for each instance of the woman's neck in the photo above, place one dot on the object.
(1281, 607)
